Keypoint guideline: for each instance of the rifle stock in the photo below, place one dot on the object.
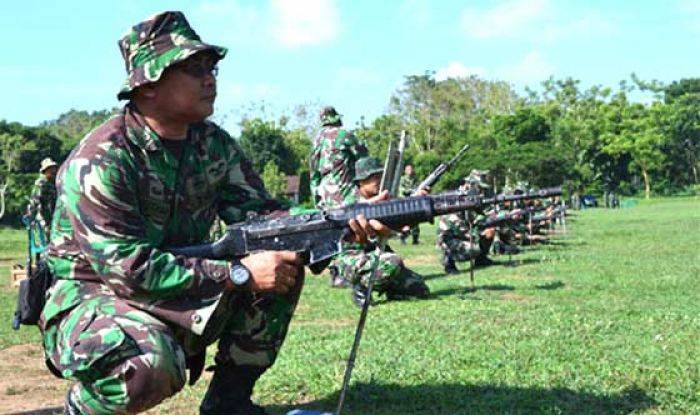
(393, 165)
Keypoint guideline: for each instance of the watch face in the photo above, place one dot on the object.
(239, 275)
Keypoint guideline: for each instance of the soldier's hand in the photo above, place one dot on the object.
(273, 271)
(382, 196)
(366, 230)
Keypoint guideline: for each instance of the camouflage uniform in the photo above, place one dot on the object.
(355, 262)
(459, 241)
(42, 200)
(124, 317)
(407, 185)
(332, 164)
(456, 239)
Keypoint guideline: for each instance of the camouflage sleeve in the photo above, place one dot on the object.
(34, 201)
(315, 172)
(102, 205)
(354, 146)
(405, 186)
(244, 190)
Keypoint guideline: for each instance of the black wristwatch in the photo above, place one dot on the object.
(239, 275)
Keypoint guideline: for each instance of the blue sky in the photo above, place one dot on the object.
(352, 54)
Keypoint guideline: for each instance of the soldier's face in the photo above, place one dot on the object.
(187, 90)
(409, 170)
(369, 187)
(50, 173)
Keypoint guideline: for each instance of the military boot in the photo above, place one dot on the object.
(449, 264)
(337, 281)
(230, 390)
(510, 249)
(483, 261)
(359, 295)
(412, 286)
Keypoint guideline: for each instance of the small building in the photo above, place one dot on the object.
(292, 190)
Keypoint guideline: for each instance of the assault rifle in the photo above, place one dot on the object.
(439, 171)
(318, 235)
(534, 213)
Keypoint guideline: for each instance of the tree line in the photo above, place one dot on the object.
(590, 140)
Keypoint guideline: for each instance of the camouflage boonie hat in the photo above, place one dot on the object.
(157, 43)
(329, 116)
(477, 177)
(367, 167)
(46, 163)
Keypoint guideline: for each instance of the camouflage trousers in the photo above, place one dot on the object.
(355, 266)
(125, 361)
(414, 231)
(459, 249)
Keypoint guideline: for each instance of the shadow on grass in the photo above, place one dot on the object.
(373, 398)
(11, 258)
(469, 290)
(437, 275)
(515, 262)
(501, 261)
(47, 411)
(554, 285)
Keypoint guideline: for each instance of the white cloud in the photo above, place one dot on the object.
(304, 22)
(416, 13)
(592, 24)
(227, 22)
(508, 19)
(690, 10)
(291, 23)
(691, 6)
(534, 20)
(458, 70)
(534, 67)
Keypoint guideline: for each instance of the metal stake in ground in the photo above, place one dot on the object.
(360, 327)
(471, 255)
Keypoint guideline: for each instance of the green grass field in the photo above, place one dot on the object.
(605, 320)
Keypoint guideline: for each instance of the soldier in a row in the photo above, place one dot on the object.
(357, 264)
(408, 185)
(332, 162)
(42, 200)
(461, 236)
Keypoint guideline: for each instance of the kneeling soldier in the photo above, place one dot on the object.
(354, 264)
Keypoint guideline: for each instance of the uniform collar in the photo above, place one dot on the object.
(141, 134)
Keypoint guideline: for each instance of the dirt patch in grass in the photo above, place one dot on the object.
(325, 323)
(26, 385)
(419, 260)
(515, 297)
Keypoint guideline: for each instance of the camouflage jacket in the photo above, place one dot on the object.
(123, 198)
(42, 200)
(335, 151)
(407, 185)
(456, 225)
